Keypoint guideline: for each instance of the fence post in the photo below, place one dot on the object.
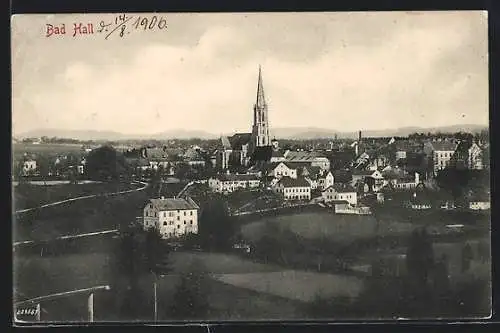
(90, 305)
(38, 312)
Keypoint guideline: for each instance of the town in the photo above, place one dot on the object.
(349, 215)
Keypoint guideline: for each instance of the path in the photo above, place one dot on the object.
(82, 198)
(103, 232)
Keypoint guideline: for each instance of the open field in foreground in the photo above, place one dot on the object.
(296, 285)
(317, 225)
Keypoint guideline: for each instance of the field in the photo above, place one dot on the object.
(81, 216)
(30, 196)
(338, 228)
(296, 285)
(52, 148)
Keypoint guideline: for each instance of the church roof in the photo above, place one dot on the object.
(261, 100)
(239, 139)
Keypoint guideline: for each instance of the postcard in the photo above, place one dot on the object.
(200, 167)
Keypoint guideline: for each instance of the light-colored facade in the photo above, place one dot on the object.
(230, 183)
(325, 180)
(336, 193)
(283, 170)
(294, 188)
(172, 217)
(29, 167)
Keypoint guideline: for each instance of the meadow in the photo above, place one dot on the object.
(49, 148)
(341, 229)
(31, 196)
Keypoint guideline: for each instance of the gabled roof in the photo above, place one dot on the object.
(239, 139)
(174, 204)
(237, 177)
(340, 188)
(443, 145)
(303, 156)
(225, 142)
(294, 182)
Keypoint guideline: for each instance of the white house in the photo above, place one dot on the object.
(441, 153)
(172, 217)
(480, 201)
(283, 169)
(361, 176)
(226, 183)
(340, 192)
(294, 188)
(325, 180)
(29, 167)
(403, 182)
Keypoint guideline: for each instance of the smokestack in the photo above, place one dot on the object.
(359, 136)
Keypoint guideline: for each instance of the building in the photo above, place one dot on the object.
(240, 148)
(226, 183)
(260, 129)
(402, 181)
(469, 155)
(312, 158)
(325, 180)
(294, 188)
(277, 156)
(29, 167)
(172, 217)
(283, 169)
(372, 178)
(440, 153)
(479, 200)
(340, 192)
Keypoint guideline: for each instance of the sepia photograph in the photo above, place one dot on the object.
(212, 167)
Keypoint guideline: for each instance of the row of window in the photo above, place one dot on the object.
(170, 214)
(178, 225)
(294, 190)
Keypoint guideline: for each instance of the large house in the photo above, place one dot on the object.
(340, 192)
(283, 169)
(172, 217)
(440, 153)
(371, 178)
(226, 183)
(294, 188)
(29, 167)
(402, 181)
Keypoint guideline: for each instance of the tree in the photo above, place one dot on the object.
(190, 299)
(154, 250)
(216, 227)
(420, 257)
(104, 163)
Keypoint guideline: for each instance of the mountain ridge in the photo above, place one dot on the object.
(301, 133)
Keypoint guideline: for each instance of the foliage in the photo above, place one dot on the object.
(216, 227)
(420, 257)
(105, 163)
(190, 300)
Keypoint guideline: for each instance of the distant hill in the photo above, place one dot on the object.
(300, 133)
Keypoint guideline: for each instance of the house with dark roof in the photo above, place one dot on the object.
(172, 217)
(312, 158)
(294, 188)
(227, 183)
(440, 153)
(468, 155)
(340, 192)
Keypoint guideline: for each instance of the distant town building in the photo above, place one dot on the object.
(440, 153)
(226, 183)
(172, 217)
(469, 155)
(312, 158)
(342, 192)
(294, 188)
(29, 167)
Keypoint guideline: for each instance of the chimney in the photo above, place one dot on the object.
(359, 136)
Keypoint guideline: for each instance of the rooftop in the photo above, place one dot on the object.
(292, 182)
(163, 204)
(237, 177)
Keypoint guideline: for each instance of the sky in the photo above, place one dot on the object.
(341, 71)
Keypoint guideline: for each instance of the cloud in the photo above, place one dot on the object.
(403, 75)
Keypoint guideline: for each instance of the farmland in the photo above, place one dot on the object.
(30, 196)
(19, 149)
(318, 225)
(82, 216)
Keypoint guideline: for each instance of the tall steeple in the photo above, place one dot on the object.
(260, 129)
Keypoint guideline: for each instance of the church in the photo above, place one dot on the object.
(245, 149)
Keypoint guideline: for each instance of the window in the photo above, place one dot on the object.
(184, 213)
(164, 223)
(178, 218)
(164, 214)
(178, 226)
(191, 222)
(184, 222)
(191, 213)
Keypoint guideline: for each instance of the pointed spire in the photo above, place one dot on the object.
(261, 101)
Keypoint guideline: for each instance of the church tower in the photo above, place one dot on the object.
(260, 129)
